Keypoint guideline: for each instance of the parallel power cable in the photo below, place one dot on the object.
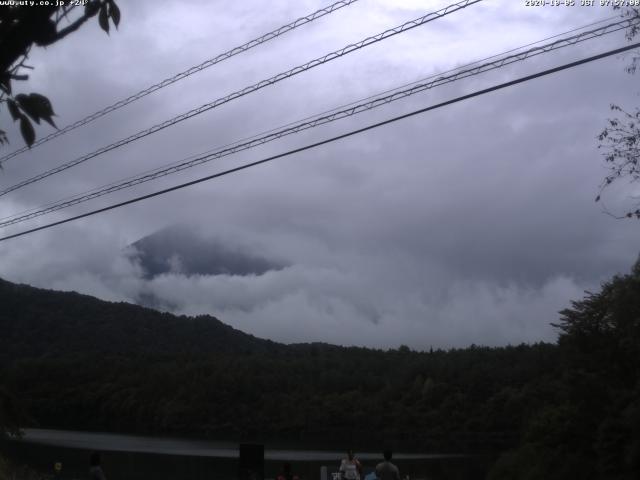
(330, 140)
(373, 102)
(336, 115)
(179, 76)
(250, 89)
(263, 133)
(256, 135)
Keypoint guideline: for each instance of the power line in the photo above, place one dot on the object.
(157, 172)
(179, 76)
(321, 119)
(254, 141)
(332, 139)
(245, 91)
(476, 62)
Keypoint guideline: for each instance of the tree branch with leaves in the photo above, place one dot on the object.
(22, 27)
(620, 139)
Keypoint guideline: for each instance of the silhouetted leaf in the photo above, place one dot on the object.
(27, 104)
(598, 198)
(36, 106)
(103, 18)
(3, 140)
(43, 103)
(43, 107)
(114, 12)
(50, 121)
(13, 110)
(26, 129)
(91, 8)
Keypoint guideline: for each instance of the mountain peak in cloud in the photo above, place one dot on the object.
(181, 249)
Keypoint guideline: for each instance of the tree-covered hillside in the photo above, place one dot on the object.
(553, 411)
(39, 323)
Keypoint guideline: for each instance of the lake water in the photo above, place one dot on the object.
(130, 457)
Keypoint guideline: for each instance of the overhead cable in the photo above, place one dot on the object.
(250, 89)
(329, 140)
(186, 73)
(326, 117)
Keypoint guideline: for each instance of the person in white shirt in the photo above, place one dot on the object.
(350, 467)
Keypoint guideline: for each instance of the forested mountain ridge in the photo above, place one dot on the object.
(45, 323)
(553, 411)
(82, 363)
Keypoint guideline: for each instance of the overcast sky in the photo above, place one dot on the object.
(474, 223)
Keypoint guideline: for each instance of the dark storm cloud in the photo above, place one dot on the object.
(472, 224)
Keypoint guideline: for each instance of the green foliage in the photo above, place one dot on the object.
(9, 471)
(36, 106)
(87, 364)
(602, 331)
(23, 26)
(620, 139)
(565, 411)
(12, 414)
(590, 428)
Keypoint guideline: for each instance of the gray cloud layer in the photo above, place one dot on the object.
(472, 224)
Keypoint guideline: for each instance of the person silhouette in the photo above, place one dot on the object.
(286, 473)
(95, 470)
(387, 470)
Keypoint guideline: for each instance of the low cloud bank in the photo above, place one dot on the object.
(355, 300)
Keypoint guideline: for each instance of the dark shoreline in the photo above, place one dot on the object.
(140, 465)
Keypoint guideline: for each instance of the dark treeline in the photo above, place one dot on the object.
(568, 410)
